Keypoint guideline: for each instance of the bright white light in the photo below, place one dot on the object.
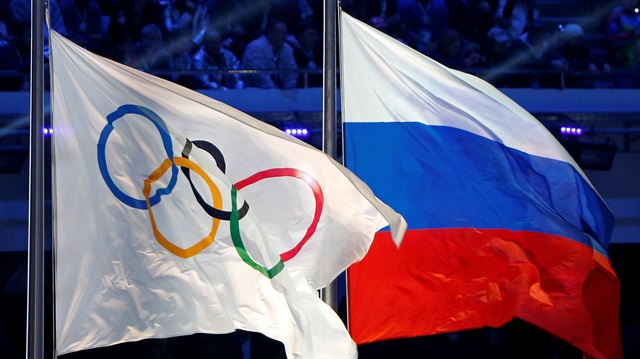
(299, 132)
(574, 131)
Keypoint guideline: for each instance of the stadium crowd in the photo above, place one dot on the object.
(196, 43)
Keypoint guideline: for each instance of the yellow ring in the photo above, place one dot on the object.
(216, 198)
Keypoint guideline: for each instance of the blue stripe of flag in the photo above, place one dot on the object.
(443, 177)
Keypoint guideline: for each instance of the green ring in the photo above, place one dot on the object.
(237, 242)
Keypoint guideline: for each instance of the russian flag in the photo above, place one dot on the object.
(502, 222)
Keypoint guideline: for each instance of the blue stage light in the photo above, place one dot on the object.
(571, 131)
(297, 130)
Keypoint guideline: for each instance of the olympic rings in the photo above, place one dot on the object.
(217, 214)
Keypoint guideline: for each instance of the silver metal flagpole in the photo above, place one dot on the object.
(329, 294)
(35, 290)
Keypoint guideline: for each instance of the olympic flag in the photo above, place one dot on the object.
(502, 222)
(177, 214)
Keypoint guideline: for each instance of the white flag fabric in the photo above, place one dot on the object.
(177, 214)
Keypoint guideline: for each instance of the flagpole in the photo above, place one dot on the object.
(35, 290)
(329, 294)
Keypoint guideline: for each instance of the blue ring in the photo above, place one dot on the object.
(166, 141)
